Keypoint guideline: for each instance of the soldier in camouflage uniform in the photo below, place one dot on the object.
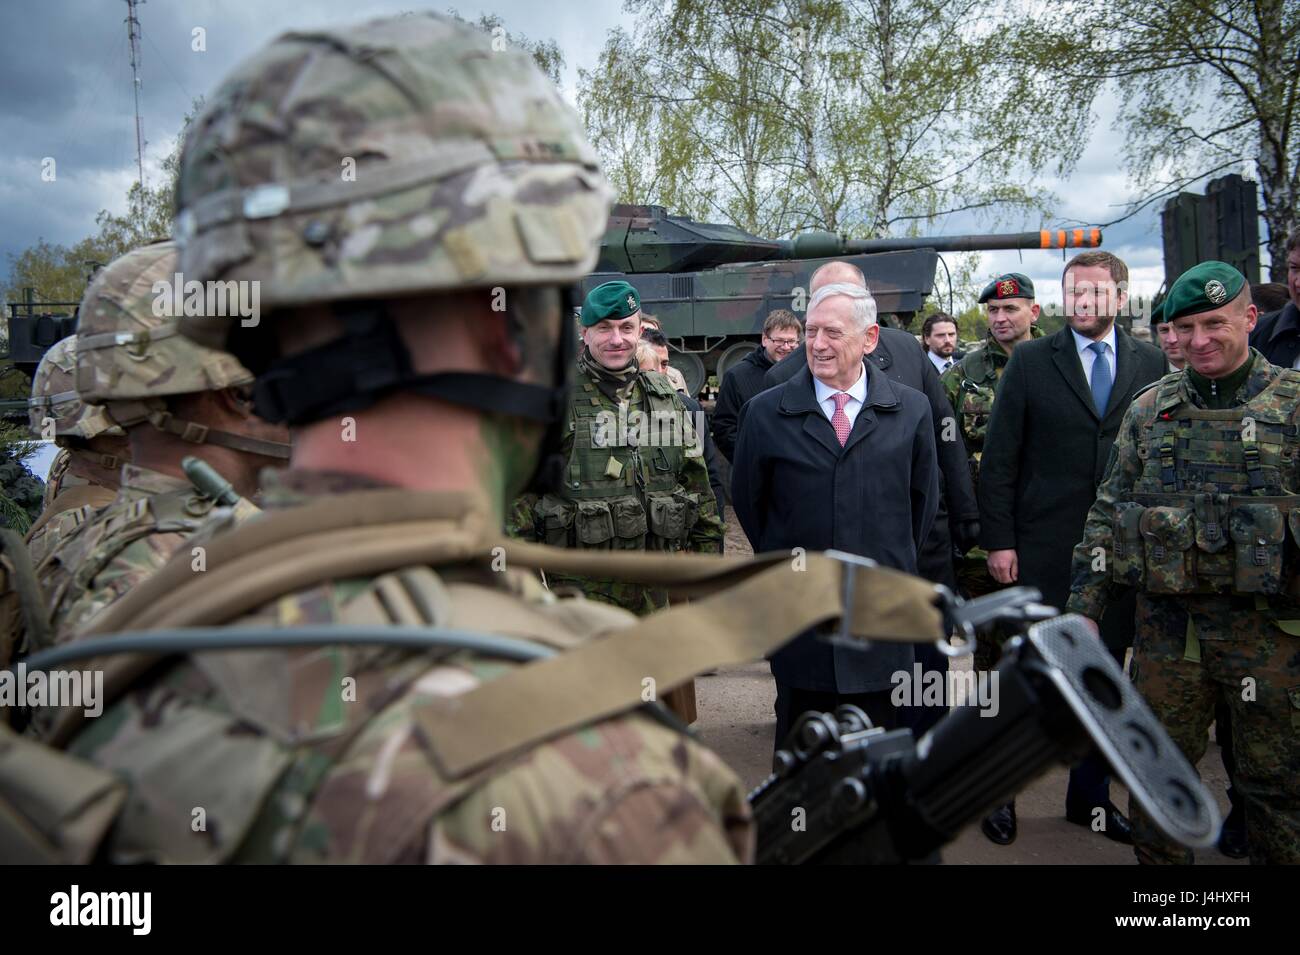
(635, 476)
(92, 448)
(635, 473)
(172, 397)
(83, 478)
(972, 382)
(1198, 513)
(411, 393)
(85, 475)
(971, 385)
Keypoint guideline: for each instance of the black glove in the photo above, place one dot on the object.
(966, 535)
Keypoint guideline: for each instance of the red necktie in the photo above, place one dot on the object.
(840, 421)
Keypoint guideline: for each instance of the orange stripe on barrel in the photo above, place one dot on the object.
(1044, 239)
(1060, 236)
(1096, 237)
(1078, 237)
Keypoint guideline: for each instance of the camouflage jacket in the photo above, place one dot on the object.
(971, 385)
(128, 540)
(635, 479)
(1173, 473)
(318, 755)
(62, 479)
(62, 516)
(58, 477)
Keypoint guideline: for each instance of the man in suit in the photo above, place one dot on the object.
(781, 333)
(956, 524)
(939, 336)
(1058, 411)
(839, 457)
(1277, 335)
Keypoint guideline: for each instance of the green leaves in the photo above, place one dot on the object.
(872, 118)
(1204, 86)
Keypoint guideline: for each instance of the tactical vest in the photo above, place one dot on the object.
(978, 374)
(622, 489)
(1211, 510)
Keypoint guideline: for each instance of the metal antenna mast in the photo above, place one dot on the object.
(133, 34)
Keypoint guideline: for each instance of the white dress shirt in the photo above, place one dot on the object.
(1087, 356)
(940, 364)
(857, 396)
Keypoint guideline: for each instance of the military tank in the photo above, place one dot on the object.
(33, 328)
(711, 286)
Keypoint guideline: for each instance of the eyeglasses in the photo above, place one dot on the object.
(784, 342)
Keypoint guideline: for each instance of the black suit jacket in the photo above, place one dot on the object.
(901, 357)
(710, 458)
(792, 485)
(739, 384)
(1045, 452)
(1277, 335)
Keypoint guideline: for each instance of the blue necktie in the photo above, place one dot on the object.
(1101, 380)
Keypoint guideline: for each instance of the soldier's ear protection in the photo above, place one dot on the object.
(370, 360)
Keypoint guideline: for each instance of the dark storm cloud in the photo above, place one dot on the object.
(67, 82)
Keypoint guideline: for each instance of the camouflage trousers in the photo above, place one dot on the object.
(1256, 666)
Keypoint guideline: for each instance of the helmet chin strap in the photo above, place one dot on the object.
(199, 434)
(127, 413)
(371, 361)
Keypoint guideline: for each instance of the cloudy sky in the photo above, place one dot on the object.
(65, 70)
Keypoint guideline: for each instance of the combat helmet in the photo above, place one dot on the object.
(398, 157)
(55, 400)
(130, 355)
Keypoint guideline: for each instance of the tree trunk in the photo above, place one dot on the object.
(1277, 181)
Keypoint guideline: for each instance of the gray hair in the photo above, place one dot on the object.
(864, 305)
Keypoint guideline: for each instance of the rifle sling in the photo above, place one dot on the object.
(752, 607)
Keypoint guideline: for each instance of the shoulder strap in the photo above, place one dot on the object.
(93, 496)
(375, 532)
(657, 384)
(1169, 393)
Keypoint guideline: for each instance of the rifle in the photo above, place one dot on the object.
(843, 791)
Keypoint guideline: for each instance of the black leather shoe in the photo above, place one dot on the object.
(1000, 825)
(1117, 827)
(1232, 837)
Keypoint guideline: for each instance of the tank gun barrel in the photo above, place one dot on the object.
(824, 245)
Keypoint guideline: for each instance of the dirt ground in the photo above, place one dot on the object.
(737, 722)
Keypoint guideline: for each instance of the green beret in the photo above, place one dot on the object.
(1011, 285)
(611, 300)
(1158, 312)
(1203, 288)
